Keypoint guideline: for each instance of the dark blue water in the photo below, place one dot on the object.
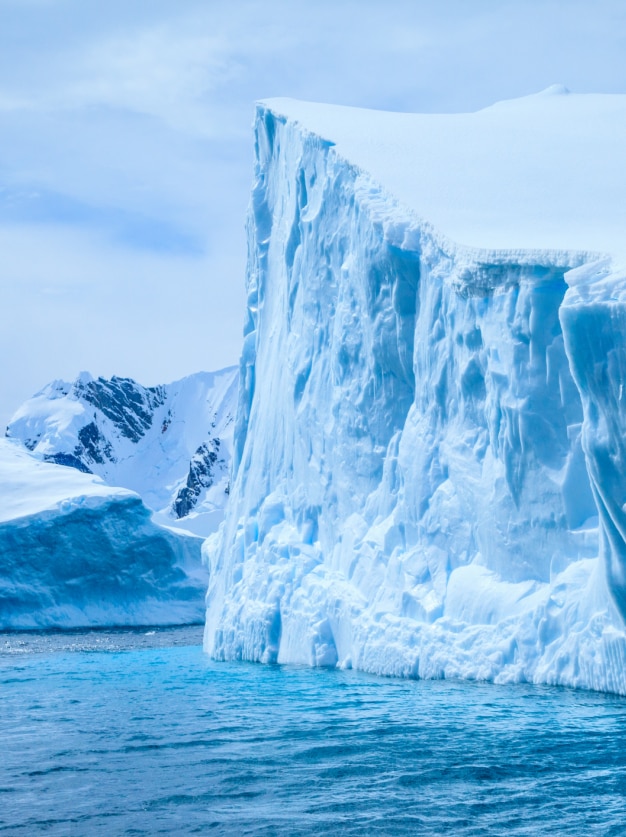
(160, 740)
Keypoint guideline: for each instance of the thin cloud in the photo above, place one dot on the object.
(157, 73)
(126, 150)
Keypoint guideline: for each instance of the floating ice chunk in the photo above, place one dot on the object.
(75, 552)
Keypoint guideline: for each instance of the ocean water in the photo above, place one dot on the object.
(138, 733)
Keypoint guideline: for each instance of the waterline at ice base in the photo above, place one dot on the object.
(429, 459)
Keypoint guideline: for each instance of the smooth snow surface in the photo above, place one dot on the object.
(171, 444)
(429, 455)
(545, 171)
(76, 552)
(30, 487)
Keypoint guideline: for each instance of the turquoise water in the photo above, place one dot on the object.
(139, 733)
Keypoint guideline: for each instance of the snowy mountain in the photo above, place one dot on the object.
(75, 552)
(171, 444)
(429, 456)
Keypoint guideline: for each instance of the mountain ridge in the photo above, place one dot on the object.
(170, 443)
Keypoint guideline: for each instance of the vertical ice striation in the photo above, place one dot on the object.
(594, 322)
(410, 494)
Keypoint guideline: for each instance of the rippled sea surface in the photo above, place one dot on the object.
(127, 733)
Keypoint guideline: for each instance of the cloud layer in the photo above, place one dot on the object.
(125, 153)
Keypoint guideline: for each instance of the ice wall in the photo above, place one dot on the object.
(75, 552)
(410, 491)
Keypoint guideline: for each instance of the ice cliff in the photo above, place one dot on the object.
(171, 443)
(75, 552)
(429, 471)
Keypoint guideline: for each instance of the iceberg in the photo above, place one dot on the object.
(429, 466)
(171, 444)
(75, 552)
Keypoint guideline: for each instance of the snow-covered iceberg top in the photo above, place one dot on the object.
(546, 171)
(31, 487)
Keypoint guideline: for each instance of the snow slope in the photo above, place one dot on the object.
(171, 444)
(75, 552)
(429, 438)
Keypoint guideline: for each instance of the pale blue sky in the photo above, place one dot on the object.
(126, 150)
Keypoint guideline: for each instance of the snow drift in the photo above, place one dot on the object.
(76, 553)
(429, 448)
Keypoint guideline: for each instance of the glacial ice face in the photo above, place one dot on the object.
(76, 553)
(410, 490)
(171, 444)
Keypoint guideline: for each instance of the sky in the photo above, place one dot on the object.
(126, 149)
